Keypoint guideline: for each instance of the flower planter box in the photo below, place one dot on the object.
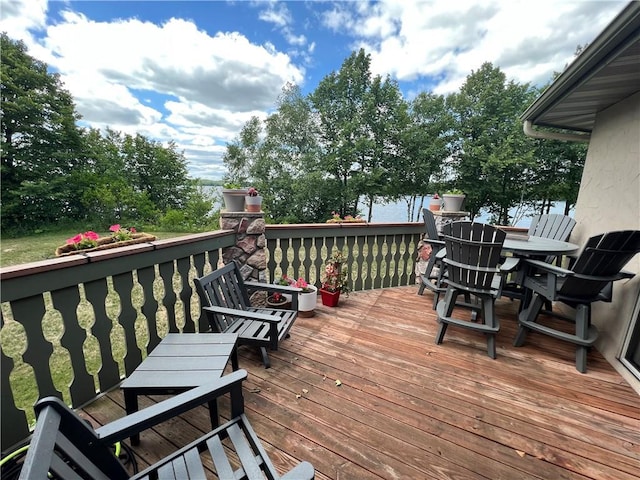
(330, 299)
(105, 243)
(253, 204)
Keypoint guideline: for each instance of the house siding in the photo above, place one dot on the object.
(609, 199)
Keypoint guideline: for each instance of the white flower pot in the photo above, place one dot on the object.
(453, 202)
(307, 302)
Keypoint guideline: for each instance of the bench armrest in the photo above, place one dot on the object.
(232, 312)
(174, 406)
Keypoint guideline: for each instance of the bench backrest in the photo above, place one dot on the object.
(65, 446)
(223, 287)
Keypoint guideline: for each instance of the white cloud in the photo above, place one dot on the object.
(200, 86)
(446, 39)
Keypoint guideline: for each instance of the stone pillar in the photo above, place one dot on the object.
(442, 217)
(249, 250)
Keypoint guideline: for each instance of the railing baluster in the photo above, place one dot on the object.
(184, 267)
(146, 277)
(14, 421)
(29, 312)
(169, 299)
(82, 387)
(96, 293)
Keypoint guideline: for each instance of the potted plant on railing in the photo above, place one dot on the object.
(253, 201)
(335, 280)
(233, 195)
(91, 241)
(453, 200)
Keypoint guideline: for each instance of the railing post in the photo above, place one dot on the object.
(249, 250)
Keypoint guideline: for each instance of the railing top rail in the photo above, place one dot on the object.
(59, 263)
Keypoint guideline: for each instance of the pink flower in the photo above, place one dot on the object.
(91, 235)
(133, 230)
(76, 239)
(114, 228)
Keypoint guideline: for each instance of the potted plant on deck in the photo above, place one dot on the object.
(306, 298)
(335, 280)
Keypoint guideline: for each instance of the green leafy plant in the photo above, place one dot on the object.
(84, 240)
(335, 275)
(120, 234)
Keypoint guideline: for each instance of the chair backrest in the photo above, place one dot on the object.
(223, 287)
(65, 446)
(430, 224)
(473, 255)
(554, 225)
(604, 256)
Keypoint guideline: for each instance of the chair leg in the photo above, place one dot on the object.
(583, 319)
(489, 320)
(441, 331)
(528, 315)
(265, 357)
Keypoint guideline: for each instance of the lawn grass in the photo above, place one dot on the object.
(42, 246)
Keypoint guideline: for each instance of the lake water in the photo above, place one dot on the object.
(397, 211)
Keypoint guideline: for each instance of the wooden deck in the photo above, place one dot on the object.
(409, 409)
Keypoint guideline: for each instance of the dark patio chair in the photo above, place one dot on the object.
(589, 280)
(65, 446)
(224, 297)
(434, 275)
(473, 266)
(554, 226)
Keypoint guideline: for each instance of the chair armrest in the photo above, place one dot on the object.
(510, 264)
(302, 471)
(548, 267)
(272, 287)
(174, 406)
(442, 253)
(433, 242)
(263, 317)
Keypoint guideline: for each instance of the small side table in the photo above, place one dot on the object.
(181, 361)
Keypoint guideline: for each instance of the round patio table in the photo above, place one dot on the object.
(531, 246)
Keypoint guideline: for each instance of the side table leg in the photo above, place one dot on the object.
(131, 406)
(234, 358)
(213, 413)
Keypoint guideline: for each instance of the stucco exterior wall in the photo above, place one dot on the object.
(609, 199)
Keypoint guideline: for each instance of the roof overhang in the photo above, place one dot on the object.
(606, 72)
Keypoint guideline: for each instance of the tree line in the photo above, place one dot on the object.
(355, 140)
(55, 173)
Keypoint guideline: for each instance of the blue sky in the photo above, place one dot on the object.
(193, 72)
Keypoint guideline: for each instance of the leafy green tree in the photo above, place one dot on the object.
(426, 145)
(340, 101)
(40, 142)
(492, 152)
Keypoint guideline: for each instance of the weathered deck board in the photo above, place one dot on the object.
(408, 408)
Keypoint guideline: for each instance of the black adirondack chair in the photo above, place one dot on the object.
(589, 280)
(224, 297)
(64, 446)
(473, 264)
(554, 226)
(434, 276)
